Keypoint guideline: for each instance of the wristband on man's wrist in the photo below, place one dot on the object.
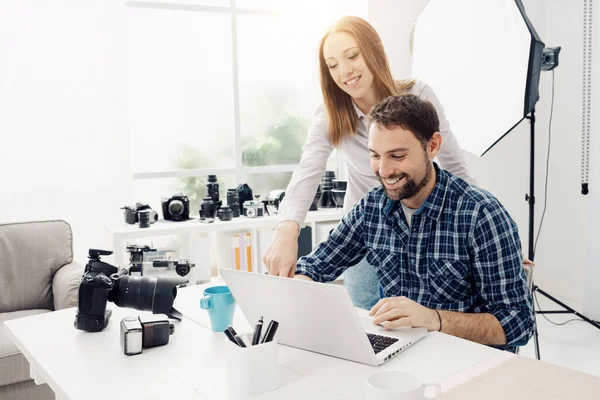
(440, 318)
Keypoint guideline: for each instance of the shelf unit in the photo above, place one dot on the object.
(198, 240)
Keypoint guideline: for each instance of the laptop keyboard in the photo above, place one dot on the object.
(379, 342)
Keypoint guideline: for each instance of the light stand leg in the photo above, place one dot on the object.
(531, 200)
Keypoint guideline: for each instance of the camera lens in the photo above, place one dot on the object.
(147, 294)
(182, 269)
(144, 218)
(136, 292)
(176, 208)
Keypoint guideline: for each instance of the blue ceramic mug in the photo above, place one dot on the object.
(220, 304)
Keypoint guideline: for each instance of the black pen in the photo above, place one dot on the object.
(230, 333)
(270, 333)
(257, 330)
(239, 341)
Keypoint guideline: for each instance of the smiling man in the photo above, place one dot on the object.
(447, 254)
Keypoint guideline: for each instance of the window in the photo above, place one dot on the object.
(225, 87)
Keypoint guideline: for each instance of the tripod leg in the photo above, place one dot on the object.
(567, 308)
(535, 336)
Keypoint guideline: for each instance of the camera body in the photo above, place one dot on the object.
(176, 207)
(143, 332)
(253, 209)
(131, 216)
(102, 282)
(96, 284)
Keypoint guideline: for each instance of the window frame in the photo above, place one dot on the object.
(239, 170)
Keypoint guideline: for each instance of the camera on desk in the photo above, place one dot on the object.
(253, 209)
(143, 332)
(176, 207)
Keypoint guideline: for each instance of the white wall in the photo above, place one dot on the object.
(504, 171)
(63, 151)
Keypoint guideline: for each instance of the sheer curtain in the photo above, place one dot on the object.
(63, 147)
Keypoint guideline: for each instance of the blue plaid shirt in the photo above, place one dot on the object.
(462, 253)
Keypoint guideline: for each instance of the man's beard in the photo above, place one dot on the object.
(410, 187)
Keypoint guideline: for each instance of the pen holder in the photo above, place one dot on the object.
(251, 370)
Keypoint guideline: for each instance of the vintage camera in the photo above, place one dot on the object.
(144, 332)
(253, 209)
(176, 208)
(102, 282)
(181, 267)
(132, 217)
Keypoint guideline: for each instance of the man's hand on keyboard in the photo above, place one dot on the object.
(395, 312)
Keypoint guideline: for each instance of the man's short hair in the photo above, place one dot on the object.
(408, 112)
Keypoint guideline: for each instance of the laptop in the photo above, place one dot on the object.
(318, 317)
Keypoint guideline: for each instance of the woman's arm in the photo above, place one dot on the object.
(302, 188)
(281, 256)
(451, 156)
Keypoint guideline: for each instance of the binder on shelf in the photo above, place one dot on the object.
(236, 252)
(248, 248)
(241, 251)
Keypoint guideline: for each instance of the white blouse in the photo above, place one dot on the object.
(306, 178)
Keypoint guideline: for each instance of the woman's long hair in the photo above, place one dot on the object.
(342, 118)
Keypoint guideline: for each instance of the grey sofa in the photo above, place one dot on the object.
(37, 275)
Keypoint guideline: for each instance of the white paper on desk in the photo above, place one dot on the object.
(521, 378)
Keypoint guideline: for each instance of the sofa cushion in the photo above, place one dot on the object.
(30, 255)
(25, 390)
(7, 347)
(13, 369)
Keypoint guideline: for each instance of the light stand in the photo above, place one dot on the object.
(531, 254)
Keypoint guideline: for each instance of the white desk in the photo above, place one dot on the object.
(88, 366)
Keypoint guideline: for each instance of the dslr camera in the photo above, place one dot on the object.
(131, 213)
(102, 282)
(176, 207)
(144, 332)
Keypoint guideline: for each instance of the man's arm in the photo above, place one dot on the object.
(344, 247)
(499, 274)
(395, 312)
(480, 328)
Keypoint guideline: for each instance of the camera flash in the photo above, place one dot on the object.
(131, 336)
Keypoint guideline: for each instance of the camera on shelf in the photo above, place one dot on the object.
(176, 207)
(144, 332)
(253, 209)
(102, 282)
(132, 216)
(274, 199)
